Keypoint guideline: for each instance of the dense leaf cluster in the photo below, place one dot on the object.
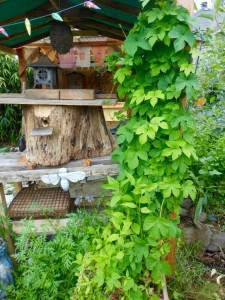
(128, 257)
(47, 267)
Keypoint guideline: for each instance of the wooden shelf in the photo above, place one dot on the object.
(26, 101)
(12, 170)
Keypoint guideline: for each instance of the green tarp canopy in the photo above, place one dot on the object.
(114, 19)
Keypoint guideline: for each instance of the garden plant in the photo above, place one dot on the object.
(129, 256)
(127, 251)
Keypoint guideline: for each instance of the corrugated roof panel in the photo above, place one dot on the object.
(23, 38)
(14, 8)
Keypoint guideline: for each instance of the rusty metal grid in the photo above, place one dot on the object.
(39, 203)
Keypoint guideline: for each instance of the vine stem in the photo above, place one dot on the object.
(161, 208)
(165, 291)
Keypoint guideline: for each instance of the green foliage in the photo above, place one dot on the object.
(47, 269)
(211, 65)
(10, 115)
(128, 256)
(209, 170)
(192, 279)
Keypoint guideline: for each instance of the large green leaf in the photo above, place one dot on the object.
(182, 35)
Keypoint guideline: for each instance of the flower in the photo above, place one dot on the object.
(78, 200)
(89, 198)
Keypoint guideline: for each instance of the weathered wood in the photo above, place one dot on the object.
(12, 95)
(25, 101)
(77, 94)
(79, 132)
(45, 131)
(49, 227)
(42, 93)
(11, 170)
(105, 96)
(18, 186)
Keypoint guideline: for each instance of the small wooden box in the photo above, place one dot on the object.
(42, 94)
(77, 94)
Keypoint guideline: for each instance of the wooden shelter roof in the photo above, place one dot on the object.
(114, 19)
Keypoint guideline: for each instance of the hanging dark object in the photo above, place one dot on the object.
(61, 37)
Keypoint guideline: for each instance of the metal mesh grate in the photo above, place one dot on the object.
(36, 202)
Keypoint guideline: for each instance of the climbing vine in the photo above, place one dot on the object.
(128, 258)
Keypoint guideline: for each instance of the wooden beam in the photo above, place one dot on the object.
(26, 101)
(22, 66)
(105, 29)
(8, 50)
(85, 32)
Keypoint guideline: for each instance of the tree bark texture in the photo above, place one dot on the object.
(79, 132)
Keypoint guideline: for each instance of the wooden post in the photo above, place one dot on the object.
(22, 66)
(3, 209)
(189, 4)
(18, 186)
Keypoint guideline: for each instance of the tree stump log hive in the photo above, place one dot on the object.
(72, 132)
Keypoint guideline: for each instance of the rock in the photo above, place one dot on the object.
(217, 242)
(184, 212)
(202, 217)
(205, 235)
(190, 234)
(212, 217)
(193, 235)
(187, 203)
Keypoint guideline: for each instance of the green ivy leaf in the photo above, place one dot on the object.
(136, 228)
(189, 83)
(169, 187)
(189, 189)
(154, 14)
(114, 200)
(113, 237)
(134, 41)
(121, 73)
(129, 204)
(153, 96)
(183, 35)
(145, 210)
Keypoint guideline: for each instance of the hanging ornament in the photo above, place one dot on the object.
(90, 4)
(57, 17)
(28, 26)
(2, 30)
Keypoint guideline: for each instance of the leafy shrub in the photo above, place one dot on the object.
(209, 170)
(47, 268)
(128, 258)
(10, 115)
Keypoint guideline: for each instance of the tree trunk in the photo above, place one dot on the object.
(57, 134)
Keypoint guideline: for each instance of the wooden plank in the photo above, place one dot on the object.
(13, 171)
(42, 93)
(43, 131)
(12, 95)
(77, 94)
(105, 96)
(17, 226)
(25, 101)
